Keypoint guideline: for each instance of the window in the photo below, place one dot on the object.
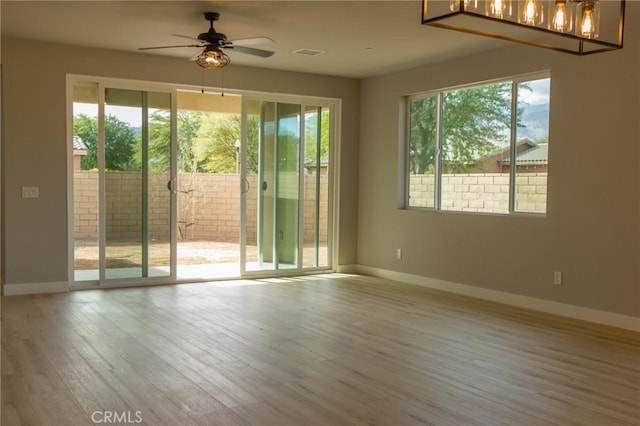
(480, 149)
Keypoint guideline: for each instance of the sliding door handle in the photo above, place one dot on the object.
(171, 185)
(244, 186)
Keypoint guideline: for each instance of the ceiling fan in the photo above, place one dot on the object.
(212, 43)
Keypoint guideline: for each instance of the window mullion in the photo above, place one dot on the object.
(438, 153)
(512, 144)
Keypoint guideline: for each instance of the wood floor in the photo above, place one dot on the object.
(319, 350)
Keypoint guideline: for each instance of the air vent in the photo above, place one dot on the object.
(308, 52)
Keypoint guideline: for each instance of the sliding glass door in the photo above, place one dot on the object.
(137, 179)
(286, 199)
(122, 184)
(178, 185)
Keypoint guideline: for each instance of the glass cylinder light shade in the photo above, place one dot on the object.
(588, 19)
(531, 12)
(454, 5)
(212, 58)
(498, 8)
(560, 16)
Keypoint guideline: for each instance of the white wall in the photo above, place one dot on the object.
(35, 142)
(594, 149)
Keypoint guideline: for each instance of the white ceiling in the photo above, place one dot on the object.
(360, 38)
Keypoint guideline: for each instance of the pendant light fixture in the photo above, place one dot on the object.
(580, 27)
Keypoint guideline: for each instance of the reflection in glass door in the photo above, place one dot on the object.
(288, 227)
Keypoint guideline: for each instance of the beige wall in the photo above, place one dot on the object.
(35, 142)
(594, 240)
(592, 228)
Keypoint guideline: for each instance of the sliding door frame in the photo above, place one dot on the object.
(334, 105)
(102, 84)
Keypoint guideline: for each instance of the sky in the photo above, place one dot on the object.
(539, 93)
(130, 115)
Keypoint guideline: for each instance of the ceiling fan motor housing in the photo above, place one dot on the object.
(211, 16)
(212, 36)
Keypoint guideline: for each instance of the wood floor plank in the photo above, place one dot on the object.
(317, 350)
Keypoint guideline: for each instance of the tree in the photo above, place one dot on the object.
(160, 141)
(475, 121)
(215, 141)
(422, 135)
(120, 142)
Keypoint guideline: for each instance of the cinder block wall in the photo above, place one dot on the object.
(482, 192)
(208, 206)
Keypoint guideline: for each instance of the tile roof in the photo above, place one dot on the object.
(78, 145)
(537, 154)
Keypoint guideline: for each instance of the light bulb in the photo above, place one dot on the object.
(498, 8)
(587, 24)
(454, 5)
(212, 57)
(531, 12)
(561, 16)
(588, 19)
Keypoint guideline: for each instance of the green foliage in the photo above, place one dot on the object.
(475, 121)
(214, 143)
(160, 141)
(120, 142)
(206, 142)
(311, 136)
(423, 137)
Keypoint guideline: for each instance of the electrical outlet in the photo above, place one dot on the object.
(398, 254)
(30, 192)
(557, 278)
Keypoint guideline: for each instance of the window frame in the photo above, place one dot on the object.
(439, 95)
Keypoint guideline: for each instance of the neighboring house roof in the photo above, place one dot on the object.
(78, 145)
(535, 154)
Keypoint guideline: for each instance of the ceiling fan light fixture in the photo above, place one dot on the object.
(212, 58)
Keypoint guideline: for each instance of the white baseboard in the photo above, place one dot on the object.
(35, 288)
(571, 311)
(347, 269)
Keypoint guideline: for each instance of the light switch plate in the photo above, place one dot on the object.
(30, 192)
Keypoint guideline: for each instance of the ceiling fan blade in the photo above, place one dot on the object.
(251, 41)
(194, 57)
(251, 51)
(170, 47)
(187, 37)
